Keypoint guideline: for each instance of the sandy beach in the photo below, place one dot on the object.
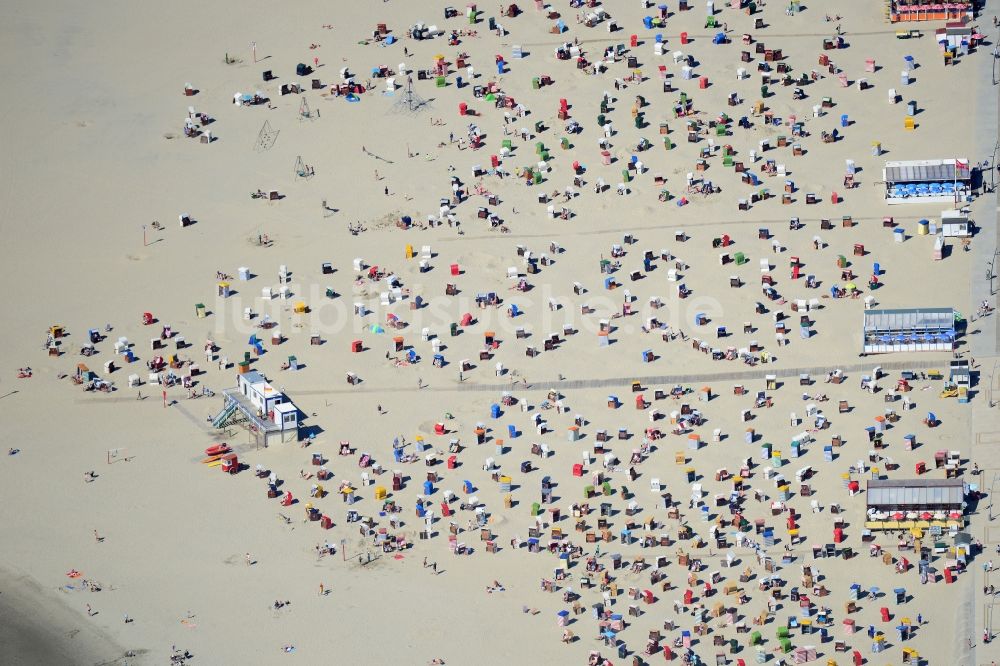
(159, 557)
(40, 629)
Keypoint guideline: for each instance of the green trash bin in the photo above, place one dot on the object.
(536, 83)
(667, 143)
(536, 509)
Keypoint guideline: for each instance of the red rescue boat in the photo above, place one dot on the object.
(217, 449)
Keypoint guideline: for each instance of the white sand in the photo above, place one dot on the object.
(89, 101)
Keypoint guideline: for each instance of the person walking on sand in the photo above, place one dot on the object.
(321, 589)
(89, 611)
(248, 559)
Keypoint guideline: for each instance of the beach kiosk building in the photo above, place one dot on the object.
(906, 495)
(265, 411)
(955, 224)
(927, 181)
(908, 330)
(899, 11)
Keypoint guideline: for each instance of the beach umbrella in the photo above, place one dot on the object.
(926, 515)
(898, 515)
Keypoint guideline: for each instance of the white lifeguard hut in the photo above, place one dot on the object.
(265, 411)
